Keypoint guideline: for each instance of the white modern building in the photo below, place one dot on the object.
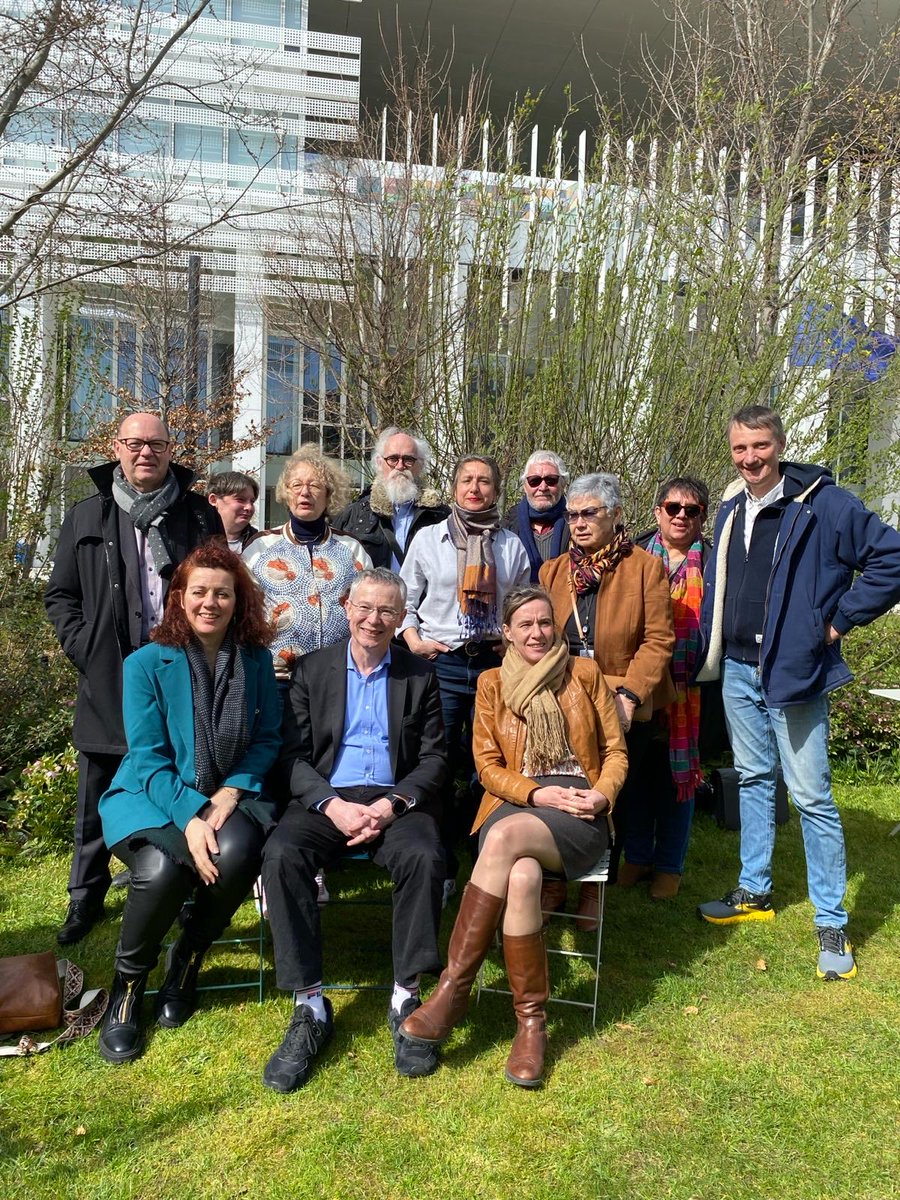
(232, 136)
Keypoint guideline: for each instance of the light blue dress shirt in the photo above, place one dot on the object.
(364, 757)
(402, 522)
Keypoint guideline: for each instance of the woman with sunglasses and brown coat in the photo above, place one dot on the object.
(611, 602)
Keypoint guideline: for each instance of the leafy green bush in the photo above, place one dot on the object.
(41, 811)
(865, 727)
(37, 681)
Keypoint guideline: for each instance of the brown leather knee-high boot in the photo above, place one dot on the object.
(476, 923)
(526, 969)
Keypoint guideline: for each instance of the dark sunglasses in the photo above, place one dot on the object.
(536, 480)
(673, 508)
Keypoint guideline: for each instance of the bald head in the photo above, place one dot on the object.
(144, 450)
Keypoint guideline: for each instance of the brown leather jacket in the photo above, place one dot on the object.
(634, 634)
(592, 728)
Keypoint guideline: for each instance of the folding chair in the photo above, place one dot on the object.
(258, 939)
(598, 874)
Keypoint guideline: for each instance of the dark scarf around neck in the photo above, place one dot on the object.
(146, 511)
(220, 713)
(555, 516)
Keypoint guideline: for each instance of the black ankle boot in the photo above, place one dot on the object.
(122, 1035)
(176, 1000)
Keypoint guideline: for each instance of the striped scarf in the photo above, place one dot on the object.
(471, 533)
(686, 587)
(588, 568)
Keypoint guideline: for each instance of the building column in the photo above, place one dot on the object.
(250, 370)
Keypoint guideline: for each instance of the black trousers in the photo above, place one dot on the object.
(637, 743)
(303, 841)
(159, 887)
(89, 877)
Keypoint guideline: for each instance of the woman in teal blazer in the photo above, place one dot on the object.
(186, 811)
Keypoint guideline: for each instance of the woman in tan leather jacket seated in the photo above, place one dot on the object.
(550, 753)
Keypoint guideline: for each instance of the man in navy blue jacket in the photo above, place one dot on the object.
(798, 563)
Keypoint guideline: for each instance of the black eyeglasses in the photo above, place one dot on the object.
(136, 445)
(537, 480)
(672, 508)
(394, 460)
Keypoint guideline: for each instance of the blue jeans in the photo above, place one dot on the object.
(798, 735)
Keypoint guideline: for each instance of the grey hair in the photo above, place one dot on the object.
(605, 487)
(423, 450)
(547, 456)
(381, 575)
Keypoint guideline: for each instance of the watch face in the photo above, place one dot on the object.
(399, 805)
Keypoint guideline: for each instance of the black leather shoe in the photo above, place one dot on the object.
(176, 1000)
(290, 1065)
(81, 918)
(122, 1034)
(412, 1059)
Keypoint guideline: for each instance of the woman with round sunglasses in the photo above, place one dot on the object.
(659, 825)
(611, 601)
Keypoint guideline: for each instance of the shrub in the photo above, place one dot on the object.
(37, 681)
(866, 727)
(41, 810)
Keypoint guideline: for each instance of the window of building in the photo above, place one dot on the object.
(199, 143)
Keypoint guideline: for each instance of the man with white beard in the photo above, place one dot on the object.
(392, 510)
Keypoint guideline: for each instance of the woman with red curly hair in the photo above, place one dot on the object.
(186, 806)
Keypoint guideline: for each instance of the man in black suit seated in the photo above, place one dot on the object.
(364, 748)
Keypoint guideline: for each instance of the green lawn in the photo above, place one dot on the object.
(708, 1076)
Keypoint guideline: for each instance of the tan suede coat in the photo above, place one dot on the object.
(634, 634)
(593, 731)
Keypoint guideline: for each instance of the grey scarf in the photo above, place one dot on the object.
(146, 511)
(220, 713)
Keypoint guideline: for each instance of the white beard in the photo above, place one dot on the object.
(400, 489)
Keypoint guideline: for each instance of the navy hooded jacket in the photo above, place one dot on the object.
(836, 563)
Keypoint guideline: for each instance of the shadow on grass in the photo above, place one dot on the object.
(644, 942)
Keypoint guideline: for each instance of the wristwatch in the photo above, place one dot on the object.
(402, 804)
(629, 695)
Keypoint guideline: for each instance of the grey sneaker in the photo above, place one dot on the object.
(836, 959)
(738, 905)
(290, 1065)
(412, 1059)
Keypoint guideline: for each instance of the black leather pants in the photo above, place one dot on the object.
(160, 886)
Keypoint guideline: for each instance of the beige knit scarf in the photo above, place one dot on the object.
(529, 690)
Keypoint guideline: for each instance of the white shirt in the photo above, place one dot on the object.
(430, 573)
(753, 507)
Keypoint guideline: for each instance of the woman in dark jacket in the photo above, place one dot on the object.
(186, 806)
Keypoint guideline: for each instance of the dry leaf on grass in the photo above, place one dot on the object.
(762, 965)
(625, 1027)
(691, 1010)
(80, 1131)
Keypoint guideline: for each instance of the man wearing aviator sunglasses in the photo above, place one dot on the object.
(395, 506)
(539, 518)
